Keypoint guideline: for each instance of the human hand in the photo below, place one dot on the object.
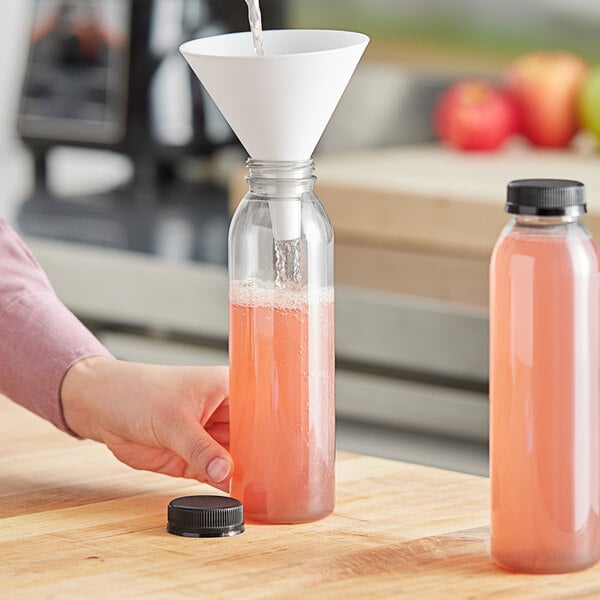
(172, 420)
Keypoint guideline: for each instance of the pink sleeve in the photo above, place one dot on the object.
(39, 337)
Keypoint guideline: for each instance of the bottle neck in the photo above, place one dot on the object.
(280, 179)
(545, 221)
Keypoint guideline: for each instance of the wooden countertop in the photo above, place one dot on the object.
(75, 523)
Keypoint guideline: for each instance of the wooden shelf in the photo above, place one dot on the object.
(423, 220)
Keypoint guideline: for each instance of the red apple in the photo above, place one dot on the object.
(545, 86)
(474, 115)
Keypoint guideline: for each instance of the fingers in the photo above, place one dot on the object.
(149, 410)
(204, 445)
(221, 414)
(209, 387)
(220, 433)
(201, 451)
(218, 470)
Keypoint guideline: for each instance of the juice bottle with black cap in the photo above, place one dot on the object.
(544, 382)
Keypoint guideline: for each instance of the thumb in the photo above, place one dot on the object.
(204, 455)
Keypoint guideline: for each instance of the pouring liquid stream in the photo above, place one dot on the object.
(255, 19)
(288, 274)
(287, 252)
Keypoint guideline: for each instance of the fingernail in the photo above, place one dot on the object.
(218, 469)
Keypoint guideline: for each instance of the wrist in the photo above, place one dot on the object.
(79, 395)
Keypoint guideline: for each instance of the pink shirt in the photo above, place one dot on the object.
(39, 337)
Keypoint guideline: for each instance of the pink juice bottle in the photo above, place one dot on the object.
(544, 382)
(281, 347)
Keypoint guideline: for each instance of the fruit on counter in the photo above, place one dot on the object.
(545, 86)
(589, 103)
(475, 115)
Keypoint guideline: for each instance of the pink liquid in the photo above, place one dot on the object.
(282, 406)
(544, 395)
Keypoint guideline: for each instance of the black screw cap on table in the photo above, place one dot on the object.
(205, 516)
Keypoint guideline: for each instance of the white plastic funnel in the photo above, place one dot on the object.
(279, 104)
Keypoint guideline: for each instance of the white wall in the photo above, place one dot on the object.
(15, 165)
(14, 41)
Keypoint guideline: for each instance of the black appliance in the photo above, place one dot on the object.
(107, 75)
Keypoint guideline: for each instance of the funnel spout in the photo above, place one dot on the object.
(283, 183)
(286, 216)
(279, 104)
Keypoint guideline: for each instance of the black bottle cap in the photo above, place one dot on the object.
(205, 516)
(545, 197)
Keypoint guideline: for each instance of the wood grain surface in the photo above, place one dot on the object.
(75, 523)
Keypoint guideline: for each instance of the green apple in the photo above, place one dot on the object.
(589, 102)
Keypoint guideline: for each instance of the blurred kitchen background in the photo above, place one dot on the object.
(120, 173)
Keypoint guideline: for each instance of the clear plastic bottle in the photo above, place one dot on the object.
(281, 347)
(544, 382)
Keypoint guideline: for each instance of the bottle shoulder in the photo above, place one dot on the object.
(256, 213)
(570, 243)
(557, 233)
